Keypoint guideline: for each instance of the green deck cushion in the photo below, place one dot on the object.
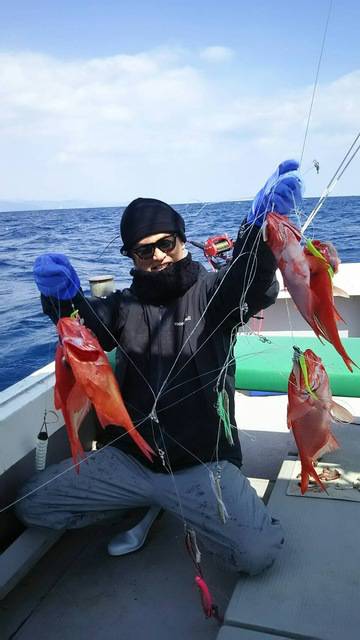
(263, 366)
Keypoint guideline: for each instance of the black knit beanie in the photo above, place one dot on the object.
(146, 217)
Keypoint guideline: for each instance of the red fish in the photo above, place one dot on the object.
(323, 263)
(283, 238)
(307, 276)
(310, 412)
(84, 377)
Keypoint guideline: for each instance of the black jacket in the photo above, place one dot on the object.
(169, 357)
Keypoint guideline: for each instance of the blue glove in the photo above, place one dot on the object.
(55, 276)
(281, 193)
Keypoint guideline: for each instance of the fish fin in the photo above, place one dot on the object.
(338, 317)
(304, 483)
(340, 414)
(142, 444)
(77, 406)
(57, 398)
(104, 422)
(341, 293)
(315, 475)
(306, 471)
(130, 429)
(321, 330)
(331, 445)
(348, 361)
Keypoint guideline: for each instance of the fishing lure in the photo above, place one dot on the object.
(210, 609)
(222, 407)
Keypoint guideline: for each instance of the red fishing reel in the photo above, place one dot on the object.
(216, 249)
(217, 246)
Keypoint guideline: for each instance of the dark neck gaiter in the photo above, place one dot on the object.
(160, 287)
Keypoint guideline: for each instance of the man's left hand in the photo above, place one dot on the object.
(282, 193)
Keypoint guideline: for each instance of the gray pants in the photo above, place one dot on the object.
(111, 481)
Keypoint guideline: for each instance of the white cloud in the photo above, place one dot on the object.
(113, 128)
(216, 54)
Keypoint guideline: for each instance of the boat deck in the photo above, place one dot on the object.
(312, 592)
(76, 589)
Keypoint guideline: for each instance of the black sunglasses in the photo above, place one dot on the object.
(146, 251)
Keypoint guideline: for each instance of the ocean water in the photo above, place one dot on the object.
(28, 338)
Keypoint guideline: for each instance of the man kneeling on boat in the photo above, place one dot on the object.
(174, 330)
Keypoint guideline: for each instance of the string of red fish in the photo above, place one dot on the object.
(307, 273)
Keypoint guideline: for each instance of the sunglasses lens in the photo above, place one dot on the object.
(146, 251)
(166, 244)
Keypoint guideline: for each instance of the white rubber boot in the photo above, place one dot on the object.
(133, 539)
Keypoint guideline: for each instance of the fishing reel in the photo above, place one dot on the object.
(216, 250)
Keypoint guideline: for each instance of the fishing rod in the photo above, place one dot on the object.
(334, 180)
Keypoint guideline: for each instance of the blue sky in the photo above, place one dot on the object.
(105, 101)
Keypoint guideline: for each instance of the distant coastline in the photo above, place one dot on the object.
(22, 206)
(6, 206)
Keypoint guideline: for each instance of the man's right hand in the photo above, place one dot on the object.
(55, 276)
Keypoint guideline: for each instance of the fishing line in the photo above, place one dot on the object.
(156, 398)
(217, 378)
(334, 180)
(119, 346)
(90, 454)
(218, 369)
(197, 324)
(214, 479)
(245, 287)
(316, 79)
(275, 349)
(196, 352)
(107, 246)
(118, 438)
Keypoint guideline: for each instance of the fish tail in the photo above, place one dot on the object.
(335, 340)
(77, 452)
(129, 428)
(345, 356)
(349, 363)
(304, 483)
(142, 444)
(307, 471)
(342, 352)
